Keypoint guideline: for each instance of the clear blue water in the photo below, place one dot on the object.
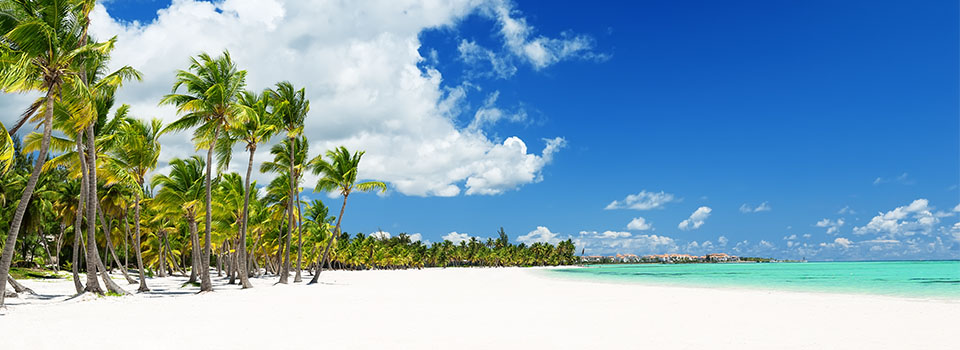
(914, 279)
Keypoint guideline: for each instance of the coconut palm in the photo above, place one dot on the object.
(182, 190)
(135, 154)
(259, 127)
(291, 106)
(209, 104)
(41, 42)
(339, 174)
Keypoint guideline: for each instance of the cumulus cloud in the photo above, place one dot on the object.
(416, 237)
(541, 234)
(643, 201)
(722, 240)
(456, 237)
(380, 235)
(369, 86)
(838, 242)
(908, 220)
(639, 224)
(746, 208)
(833, 226)
(606, 234)
(697, 219)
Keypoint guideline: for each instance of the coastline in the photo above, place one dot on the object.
(473, 308)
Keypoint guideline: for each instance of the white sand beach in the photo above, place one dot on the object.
(469, 308)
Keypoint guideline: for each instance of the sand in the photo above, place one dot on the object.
(468, 308)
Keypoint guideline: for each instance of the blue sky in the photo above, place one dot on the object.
(818, 112)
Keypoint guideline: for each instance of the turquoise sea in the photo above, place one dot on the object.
(913, 279)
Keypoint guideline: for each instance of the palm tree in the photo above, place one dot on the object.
(136, 153)
(209, 104)
(6, 150)
(182, 191)
(339, 174)
(258, 128)
(291, 107)
(41, 40)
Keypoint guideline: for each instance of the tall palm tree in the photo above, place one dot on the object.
(136, 153)
(259, 127)
(40, 42)
(182, 190)
(339, 174)
(291, 106)
(209, 104)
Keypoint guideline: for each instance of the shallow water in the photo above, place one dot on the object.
(916, 279)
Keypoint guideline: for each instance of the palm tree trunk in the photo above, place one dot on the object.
(297, 278)
(106, 230)
(19, 288)
(77, 221)
(205, 284)
(161, 261)
(136, 239)
(7, 257)
(194, 249)
(90, 164)
(326, 250)
(285, 268)
(242, 251)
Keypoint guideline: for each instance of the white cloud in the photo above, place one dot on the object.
(639, 224)
(697, 219)
(490, 114)
(902, 221)
(380, 235)
(846, 210)
(541, 234)
(842, 242)
(484, 62)
(722, 240)
(643, 201)
(790, 237)
(541, 52)
(745, 208)
(368, 84)
(456, 238)
(956, 209)
(416, 237)
(902, 179)
(833, 226)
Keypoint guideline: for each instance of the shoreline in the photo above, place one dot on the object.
(473, 308)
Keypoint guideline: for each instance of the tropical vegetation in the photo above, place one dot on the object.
(84, 192)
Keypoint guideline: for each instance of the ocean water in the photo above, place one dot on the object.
(912, 279)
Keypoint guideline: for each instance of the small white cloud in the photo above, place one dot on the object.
(639, 224)
(846, 243)
(722, 240)
(746, 208)
(790, 237)
(806, 235)
(380, 235)
(541, 234)
(697, 219)
(456, 237)
(846, 210)
(416, 237)
(956, 209)
(833, 226)
(606, 234)
(643, 201)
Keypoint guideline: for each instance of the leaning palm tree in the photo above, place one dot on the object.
(209, 104)
(259, 127)
(40, 42)
(291, 106)
(281, 152)
(136, 153)
(182, 191)
(339, 174)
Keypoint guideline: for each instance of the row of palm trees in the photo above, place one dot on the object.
(97, 167)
